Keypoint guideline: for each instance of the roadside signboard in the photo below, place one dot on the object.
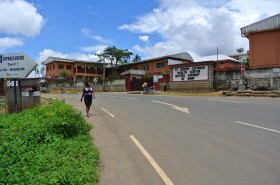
(17, 65)
(190, 73)
(242, 68)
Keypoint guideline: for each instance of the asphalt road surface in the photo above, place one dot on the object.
(153, 139)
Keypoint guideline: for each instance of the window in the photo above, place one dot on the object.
(53, 66)
(135, 68)
(161, 65)
(47, 68)
(145, 67)
(60, 66)
(68, 67)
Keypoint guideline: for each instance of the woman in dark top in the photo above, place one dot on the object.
(87, 95)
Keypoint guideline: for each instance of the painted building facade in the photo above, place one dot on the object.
(76, 69)
(264, 42)
(264, 54)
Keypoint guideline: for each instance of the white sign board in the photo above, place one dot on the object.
(18, 65)
(36, 93)
(190, 73)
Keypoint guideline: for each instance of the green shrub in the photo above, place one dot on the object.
(47, 145)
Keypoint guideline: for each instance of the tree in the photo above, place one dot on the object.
(37, 72)
(64, 74)
(136, 58)
(42, 71)
(115, 56)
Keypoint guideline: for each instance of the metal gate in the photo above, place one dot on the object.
(136, 84)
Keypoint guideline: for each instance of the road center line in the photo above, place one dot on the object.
(108, 112)
(152, 161)
(129, 98)
(227, 101)
(276, 131)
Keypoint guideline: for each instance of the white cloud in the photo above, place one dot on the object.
(198, 26)
(20, 17)
(87, 33)
(94, 49)
(6, 43)
(144, 38)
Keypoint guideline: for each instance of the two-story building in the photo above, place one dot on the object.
(264, 53)
(76, 69)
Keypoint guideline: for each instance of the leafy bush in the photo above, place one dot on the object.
(47, 145)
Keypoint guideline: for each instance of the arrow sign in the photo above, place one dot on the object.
(182, 109)
(17, 65)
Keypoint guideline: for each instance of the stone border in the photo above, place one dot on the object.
(272, 94)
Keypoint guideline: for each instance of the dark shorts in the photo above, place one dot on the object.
(88, 100)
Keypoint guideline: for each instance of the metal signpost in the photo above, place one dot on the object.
(242, 69)
(16, 66)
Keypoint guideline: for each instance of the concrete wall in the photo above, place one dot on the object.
(230, 79)
(115, 86)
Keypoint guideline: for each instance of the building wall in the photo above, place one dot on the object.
(265, 49)
(152, 66)
(226, 66)
(52, 68)
(87, 70)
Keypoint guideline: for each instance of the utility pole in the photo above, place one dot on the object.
(103, 80)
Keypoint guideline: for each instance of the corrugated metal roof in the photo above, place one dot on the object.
(270, 23)
(184, 55)
(57, 59)
(214, 58)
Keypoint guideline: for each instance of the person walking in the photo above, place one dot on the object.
(87, 96)
(164, 86)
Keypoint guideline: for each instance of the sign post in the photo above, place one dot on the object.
(16, 66)
(242, 68)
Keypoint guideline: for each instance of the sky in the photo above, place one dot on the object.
(150, 28)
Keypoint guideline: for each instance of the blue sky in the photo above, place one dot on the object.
(150, 28)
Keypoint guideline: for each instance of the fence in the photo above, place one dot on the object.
(115, 86)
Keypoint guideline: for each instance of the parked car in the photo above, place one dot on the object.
(259, 87)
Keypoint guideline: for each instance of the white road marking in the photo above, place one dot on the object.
(129, 98)
(227, 101)
(164, 103)
(108, 112)
(182, 109)
(161, 173)
(276, 131)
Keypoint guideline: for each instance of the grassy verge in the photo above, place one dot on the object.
(47, 145)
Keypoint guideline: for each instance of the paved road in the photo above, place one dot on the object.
(147, 139)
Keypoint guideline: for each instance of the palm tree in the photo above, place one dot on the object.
(136, 58)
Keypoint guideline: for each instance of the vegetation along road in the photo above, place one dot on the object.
(146, 139)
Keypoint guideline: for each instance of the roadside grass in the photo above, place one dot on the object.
(49, 144)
